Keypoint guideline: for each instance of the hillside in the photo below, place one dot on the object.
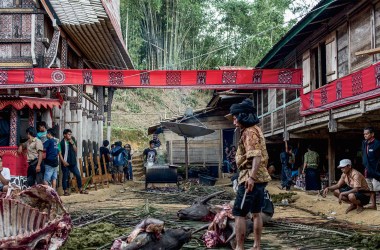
(134, 110)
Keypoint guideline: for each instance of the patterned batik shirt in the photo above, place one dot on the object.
(252, 144)
(355, 179)
(312, 159)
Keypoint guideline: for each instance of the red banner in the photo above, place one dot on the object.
(361, 85)
(198, 79)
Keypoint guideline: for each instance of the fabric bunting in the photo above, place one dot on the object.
(197, 79)
(361, 85)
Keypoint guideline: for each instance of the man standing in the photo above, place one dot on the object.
(371, 162)
(287, 160)
(310, 169)
(5, 177)
(34, 149)
(42, 131)
(51, 160)
(351, 187)
(119, 160)
(251, 160)
(68, 156)
(150, 155)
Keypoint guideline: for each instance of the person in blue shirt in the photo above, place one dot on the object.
(42, 132)
(119, 155)
(51, 159)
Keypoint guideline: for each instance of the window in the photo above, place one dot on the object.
(342, 37)
(331, 63)
(279, 98)
(265, 101)
(360, 39)
(377, 30)
(259, 103)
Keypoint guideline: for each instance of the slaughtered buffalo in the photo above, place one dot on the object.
(150, 234)
(200, 210)
(33, 219)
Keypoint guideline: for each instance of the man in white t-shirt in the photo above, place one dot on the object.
(5, 177)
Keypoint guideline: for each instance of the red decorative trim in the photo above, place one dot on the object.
(210, 79)
(361, 85)
(31, 102)
(16, 163)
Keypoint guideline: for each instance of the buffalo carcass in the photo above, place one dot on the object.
(33, 219)
(221, 231)
(200, 210)
(150, 234)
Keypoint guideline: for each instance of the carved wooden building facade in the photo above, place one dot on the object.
(62, 35)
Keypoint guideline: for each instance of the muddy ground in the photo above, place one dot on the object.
(301, 221)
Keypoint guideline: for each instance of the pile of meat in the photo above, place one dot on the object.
(33, 219)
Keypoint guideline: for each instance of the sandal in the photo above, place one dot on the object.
(66, 193)
(83, 192)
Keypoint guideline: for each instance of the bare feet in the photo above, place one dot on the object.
(350, 208)
(374, 207)
(359, 209)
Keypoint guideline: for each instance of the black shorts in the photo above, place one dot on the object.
(360, 196)
(254, 200)
(363, 198)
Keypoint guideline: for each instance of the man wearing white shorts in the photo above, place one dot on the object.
(371, 159)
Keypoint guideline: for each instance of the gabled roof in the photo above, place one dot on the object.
(95, 29)
(317, 17)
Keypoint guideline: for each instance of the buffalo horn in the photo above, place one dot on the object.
(200, 229)
(209, 197)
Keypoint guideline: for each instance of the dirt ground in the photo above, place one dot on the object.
(305, 205)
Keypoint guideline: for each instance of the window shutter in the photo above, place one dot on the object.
(306, 72)
(331, 58)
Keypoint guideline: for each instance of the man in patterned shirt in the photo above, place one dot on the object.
(352, 187)
(251, 160)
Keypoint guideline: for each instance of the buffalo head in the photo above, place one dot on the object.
(199, 210)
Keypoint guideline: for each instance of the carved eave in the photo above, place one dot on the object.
(90, 25)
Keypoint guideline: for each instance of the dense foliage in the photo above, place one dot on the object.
(198, 34)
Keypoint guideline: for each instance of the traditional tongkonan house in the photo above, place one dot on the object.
(336, 44)
(63, 35)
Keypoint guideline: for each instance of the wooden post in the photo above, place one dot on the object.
(220, 154)
(94, 180)
(100, 171)
(331, 157)
(80, 167)
(186, 159)
(109, 176)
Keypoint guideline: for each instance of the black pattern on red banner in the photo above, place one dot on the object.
(29, 76)
(201, 77)
(257, 75)
(229, 77)
(116, 77)
(285, 76)
(145, 78)
(357, 83)
(3, 77)
(312, 100)
(339, 90)
(324, 96)
(377, 75)
(173, 78)
(87, 76)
